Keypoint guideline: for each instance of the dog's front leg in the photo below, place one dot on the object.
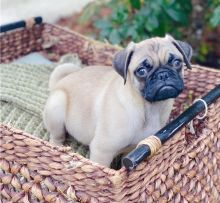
(104, 148)
(100, 154)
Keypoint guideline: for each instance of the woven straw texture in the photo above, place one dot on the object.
(185, 169)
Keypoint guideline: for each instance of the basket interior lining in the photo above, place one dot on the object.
(24, 91)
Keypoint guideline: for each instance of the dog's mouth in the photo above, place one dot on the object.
(166, 92)
(160, 89)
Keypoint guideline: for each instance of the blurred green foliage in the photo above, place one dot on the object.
(136, 20)
(140, 19)
(213, 15)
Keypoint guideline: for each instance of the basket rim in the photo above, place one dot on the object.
(205, 68)
(96, 42)
(64, 149)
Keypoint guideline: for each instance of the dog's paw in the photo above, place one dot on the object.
(56, 142)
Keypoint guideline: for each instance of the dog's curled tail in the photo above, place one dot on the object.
(60, 72)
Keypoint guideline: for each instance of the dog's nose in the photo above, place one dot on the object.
(162, 76)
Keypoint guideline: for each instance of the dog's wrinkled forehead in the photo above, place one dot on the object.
(156, 50)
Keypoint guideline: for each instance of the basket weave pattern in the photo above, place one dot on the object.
(185, 169)
(55, 42)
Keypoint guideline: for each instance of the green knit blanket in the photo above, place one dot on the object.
(24, 90)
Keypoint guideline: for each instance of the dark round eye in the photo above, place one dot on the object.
(141, 72)
(177, 63)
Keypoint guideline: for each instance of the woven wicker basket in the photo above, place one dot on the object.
(185, 169)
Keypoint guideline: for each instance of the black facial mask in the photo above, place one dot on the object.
(164, 83)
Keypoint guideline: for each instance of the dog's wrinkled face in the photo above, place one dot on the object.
(155, 66)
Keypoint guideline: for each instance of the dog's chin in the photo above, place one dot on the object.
(166, 92)
(163, 93)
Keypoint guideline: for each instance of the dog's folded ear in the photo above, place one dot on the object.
(186, 50)
(122, 60)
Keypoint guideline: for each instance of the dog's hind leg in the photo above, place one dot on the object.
(54, 117)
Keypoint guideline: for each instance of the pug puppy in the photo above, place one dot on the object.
(109, 108)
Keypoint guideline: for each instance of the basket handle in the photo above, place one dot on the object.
(152, 143)
(20, 24)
